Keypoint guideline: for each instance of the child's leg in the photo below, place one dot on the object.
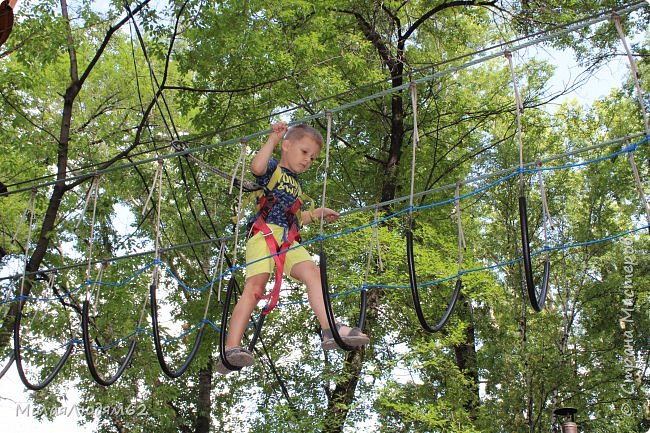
(309, 273)
(253, 291)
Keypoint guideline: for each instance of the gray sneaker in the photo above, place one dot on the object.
(353, 337)
(237, 357)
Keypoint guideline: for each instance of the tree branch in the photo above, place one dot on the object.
(107, 38)
(371, 35)
(442, 7)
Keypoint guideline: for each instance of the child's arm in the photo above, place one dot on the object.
(327, 214)
(261, 159)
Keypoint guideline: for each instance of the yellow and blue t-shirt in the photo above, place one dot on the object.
(286, 191)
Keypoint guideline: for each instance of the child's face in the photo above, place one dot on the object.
(298, 154)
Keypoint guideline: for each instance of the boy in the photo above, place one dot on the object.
(279, 220)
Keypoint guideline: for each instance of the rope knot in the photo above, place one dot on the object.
(632, 147)
(177, 145)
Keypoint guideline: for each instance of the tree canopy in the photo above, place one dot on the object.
(116, 117)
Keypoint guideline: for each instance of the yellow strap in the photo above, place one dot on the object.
(255, 195)
(275, 178)
(250, 198)
(304, 198)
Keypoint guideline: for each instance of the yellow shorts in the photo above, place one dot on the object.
(256, 249)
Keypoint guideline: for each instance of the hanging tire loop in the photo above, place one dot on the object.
(89, 356)
(416, 296)
(18, 320)
(158, 343)
(93, 192)
(327, 301)
(88, 346)
(536, 300)
(158, 178)
(410, 257)
(19, 362)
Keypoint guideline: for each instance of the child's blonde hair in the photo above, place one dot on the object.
(301, 130)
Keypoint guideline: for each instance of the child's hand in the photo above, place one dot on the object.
(327, 214)
(278, 131)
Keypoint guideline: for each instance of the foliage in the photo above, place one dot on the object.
(203, 75)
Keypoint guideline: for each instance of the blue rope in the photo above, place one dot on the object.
(477, 191)
(320, 238)
(364, 287)
(631, 148)
(81, 286)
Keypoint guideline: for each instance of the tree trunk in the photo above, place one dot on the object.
(47, 227)
(60, 188)
(343, 394)
(204, 405)
(389, 188)
(466, 356)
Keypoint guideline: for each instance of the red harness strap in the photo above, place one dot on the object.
(279, 252)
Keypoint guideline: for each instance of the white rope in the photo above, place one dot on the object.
(240, 161)
(144, 309)
(461, 234)
(28, 206)
(240, 204)
(32, 208)
(328, 117)
(49, 289)
(416, 141)
(633, 69)
(86, 201)
(639, 185)
(218, 268)
(98, 283)
(374, 239)
(159, 177)
(519, 108)
(545, 209)
(207, 305)
(153, 186)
